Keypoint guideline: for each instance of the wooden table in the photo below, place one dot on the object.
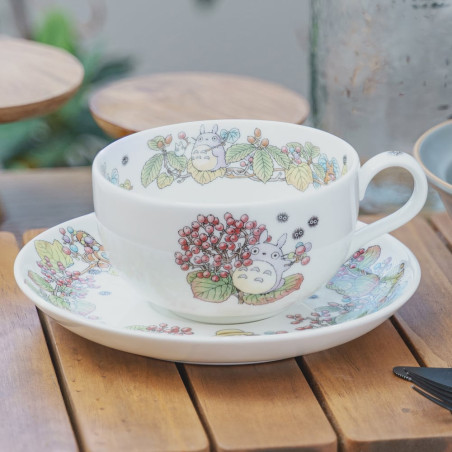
(140, 103)
(35, 79)
(60, 392)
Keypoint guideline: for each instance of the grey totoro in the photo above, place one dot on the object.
(208, 153)
(265, 273)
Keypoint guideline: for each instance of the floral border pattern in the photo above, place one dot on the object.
(220, 154)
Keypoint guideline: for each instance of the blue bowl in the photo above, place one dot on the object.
(433, 151)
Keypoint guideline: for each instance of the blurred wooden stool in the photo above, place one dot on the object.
(35, 79)
(140, 103)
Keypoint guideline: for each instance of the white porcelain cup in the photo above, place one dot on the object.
(231, 221)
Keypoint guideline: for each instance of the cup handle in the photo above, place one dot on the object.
(401, 216)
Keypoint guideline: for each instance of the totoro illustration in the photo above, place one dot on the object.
(265, 273)
(208, 153)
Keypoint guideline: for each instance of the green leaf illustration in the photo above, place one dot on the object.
(294, 144)
(164, 180)
(59, 302)
(371, 256)
(191, 277)
(54, 252)
(233, 332)
(178, 162)
(291, 283)
(328, 308)
(311, 150)
(263, 165)
(40, 281)
(151, 169)
(153, 144)
(281, 159)
(137, 328)
(216, 292)
(394, 277)
(354, 286)
(33, 287)
(300, 176)
(238, 152)
(204, 177)
(319, 171)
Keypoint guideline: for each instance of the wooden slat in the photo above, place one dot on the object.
(32, 411)
(120, 401)
(426, 319)
(370, 407)
(260, 407)
(443, 223)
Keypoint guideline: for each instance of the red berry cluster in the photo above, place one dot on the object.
(65, 282)
(164, 141)
(316, 319)
(213, 248)
(165, 328)
(301, 251)
(357, 257)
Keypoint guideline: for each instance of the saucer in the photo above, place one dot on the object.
(66, 272)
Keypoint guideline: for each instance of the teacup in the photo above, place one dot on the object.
(231, 221)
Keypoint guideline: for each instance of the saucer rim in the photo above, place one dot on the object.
(79, 321)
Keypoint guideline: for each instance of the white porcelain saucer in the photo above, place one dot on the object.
(66, 272)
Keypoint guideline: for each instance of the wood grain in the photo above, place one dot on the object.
(426, 319)
(260, 407)
(35, 78)
(119, 401)
(371, 408)
(442, 222)
(141, 103)
(32, 411)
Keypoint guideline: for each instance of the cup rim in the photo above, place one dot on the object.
(434, 179)
(99, 179)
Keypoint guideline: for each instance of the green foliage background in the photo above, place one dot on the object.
(69, 136)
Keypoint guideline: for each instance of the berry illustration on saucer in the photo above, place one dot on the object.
(68, 268)
(236, 256)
